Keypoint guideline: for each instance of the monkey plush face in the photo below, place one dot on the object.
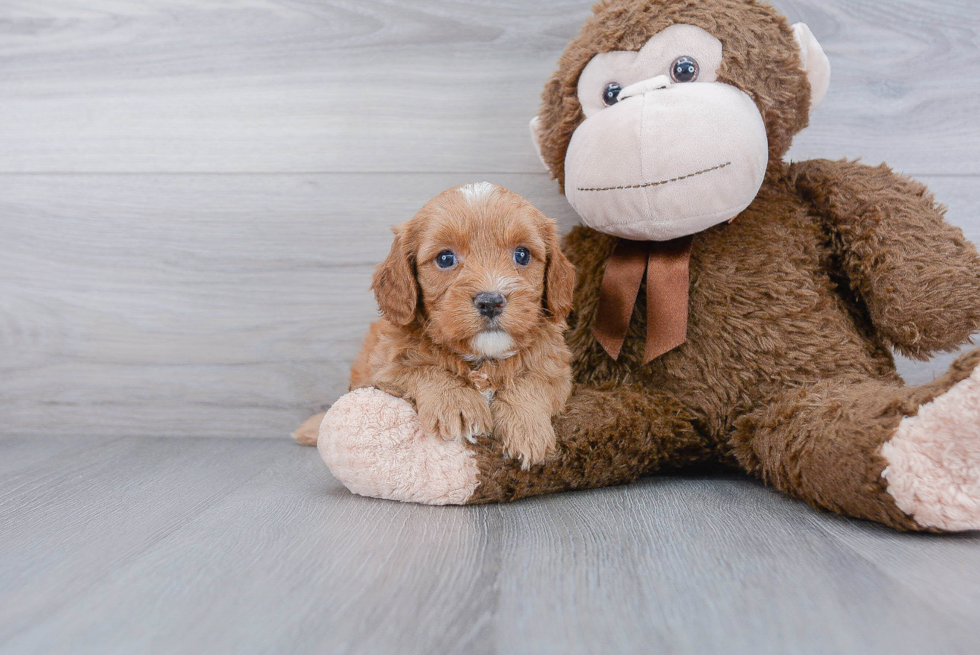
(669, 138)
(665, 150)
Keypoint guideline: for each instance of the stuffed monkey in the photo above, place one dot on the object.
(730, 308)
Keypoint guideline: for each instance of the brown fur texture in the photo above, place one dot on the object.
(426, 347)
(794, 309)
(787, 371)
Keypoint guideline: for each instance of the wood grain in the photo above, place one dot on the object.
(69, 521)
(248, 546)
(415, 85)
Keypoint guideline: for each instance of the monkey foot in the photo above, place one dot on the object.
(933, 470)
(374, 444)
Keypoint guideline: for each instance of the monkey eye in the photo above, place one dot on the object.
(446, 259)
(522, 256)
(684, 69)
(610, 96)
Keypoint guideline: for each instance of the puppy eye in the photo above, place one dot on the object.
(446, 259)
(684, 69)
(522, 256)
(610, 95)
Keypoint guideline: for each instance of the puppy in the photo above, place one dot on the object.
(474, 295)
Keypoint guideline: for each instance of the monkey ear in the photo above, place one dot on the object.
(536, 139)
(815, 63)
(559, 279)
(394, 284)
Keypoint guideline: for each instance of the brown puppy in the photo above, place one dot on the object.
(474, 294)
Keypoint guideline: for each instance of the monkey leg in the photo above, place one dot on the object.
(373, 443)
(908, 457)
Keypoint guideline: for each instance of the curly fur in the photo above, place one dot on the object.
(431, 347)
(787, 371)
(795, 306)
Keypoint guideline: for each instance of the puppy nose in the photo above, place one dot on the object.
(489, 304)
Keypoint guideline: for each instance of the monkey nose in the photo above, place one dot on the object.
(652, 84)
(490, 305)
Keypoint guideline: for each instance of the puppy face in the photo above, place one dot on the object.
(479, 268)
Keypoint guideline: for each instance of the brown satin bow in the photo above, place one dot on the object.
(666, 264)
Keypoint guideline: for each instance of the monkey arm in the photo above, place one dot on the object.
(375, 445)
(917, 275)
(608, 435)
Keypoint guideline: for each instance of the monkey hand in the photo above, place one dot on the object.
(916, 273)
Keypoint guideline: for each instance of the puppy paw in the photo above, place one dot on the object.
(456, 415)
(526, 436)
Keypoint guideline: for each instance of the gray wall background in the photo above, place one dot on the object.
(193, 194)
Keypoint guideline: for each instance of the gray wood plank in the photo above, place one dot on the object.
(280, 558)
(276, 85)
(224, 305)
(763, 581)
(69, 521)
(415, 85)
(942, 570)
(19, 453)
(898, 109)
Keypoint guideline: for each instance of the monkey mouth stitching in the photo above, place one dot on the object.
(660, 183)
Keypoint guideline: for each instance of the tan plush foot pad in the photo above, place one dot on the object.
(933, 467)
(374, 444)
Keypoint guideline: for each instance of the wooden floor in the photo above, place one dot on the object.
(192, 198)
(188, 545)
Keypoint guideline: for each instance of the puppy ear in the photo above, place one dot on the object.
(559, 279)
(394, 283)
